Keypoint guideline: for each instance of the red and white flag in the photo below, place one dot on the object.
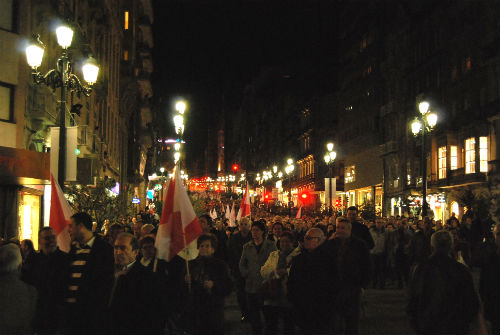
(232, 217)
(299, 213)
(228, 212)
(60, 212)
(213, 214)
(244, 206)
(179, 225)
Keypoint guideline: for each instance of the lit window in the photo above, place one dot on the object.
(350, 174)
(126, 20)
(453, 157)
(442, 162)
(470, 155)
(483, 154)
(125, 54)
(468, 64)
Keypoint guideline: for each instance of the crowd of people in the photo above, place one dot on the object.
(290, 276)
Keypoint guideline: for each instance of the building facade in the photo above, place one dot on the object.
(99, 126)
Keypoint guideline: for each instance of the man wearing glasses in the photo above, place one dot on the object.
(312, 285)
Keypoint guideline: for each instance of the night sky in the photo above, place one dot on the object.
(208, 51)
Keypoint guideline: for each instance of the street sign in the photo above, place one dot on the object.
(136, 201)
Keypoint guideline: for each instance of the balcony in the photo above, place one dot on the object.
(458, 177)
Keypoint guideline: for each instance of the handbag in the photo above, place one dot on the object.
(270, 289)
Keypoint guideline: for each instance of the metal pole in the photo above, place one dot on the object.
(330, 189)
(289, 196)
(61, 174)
(424, 173)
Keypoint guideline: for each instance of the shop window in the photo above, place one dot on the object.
(350, 174)
(29, 217)
(6, 100)
(483, 154)
(455, 209)
(453, 157)
(442, 162)
(470, 155)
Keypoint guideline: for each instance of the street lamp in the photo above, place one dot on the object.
(62, 76)
(179, 124)
(180, 106)
(423, 124)
(329, 158)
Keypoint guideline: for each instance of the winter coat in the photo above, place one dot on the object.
(251, 261)
(442, 299)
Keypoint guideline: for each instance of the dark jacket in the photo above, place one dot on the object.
(48, 274)
(138, 303)
(362, 232)
(352, 259)
(419, 248)
(442, 299)
(205, 309)
(88, 313)
(489, 287)
(17, 305)
(312, 286)
(234, 249)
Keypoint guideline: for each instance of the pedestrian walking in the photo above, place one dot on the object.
(90, 278)
(442, 299)
(254, 255)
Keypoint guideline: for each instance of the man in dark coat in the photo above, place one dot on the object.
(352, 259)
(234, 249)
(312, 285)
(358, 229)
(48, 275)
(90, 278)
(419, 248)
(489, 287)
(137, 301)
(442, 299)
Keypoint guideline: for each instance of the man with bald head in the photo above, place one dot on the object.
(312, 284)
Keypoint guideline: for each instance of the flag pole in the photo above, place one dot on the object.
(185, 248)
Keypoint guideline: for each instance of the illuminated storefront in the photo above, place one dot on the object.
(24, 185)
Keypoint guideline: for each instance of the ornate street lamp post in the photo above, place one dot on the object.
(423, 124)
(61, 77)
(329, 158)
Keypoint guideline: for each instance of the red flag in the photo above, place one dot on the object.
(179, 225)
(299, 213)
(245, 205)
(60, 212)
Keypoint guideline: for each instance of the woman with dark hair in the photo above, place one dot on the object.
(206, 285)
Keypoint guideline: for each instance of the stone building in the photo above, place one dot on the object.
(109, 128)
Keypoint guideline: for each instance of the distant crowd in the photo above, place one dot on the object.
(290, 276)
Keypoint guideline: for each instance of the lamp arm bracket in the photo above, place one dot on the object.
(52, 78)
(75, 84)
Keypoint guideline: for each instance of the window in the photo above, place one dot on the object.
(126, 20)
(470, 155)
(467, 64)
(442, 162)
(483, 154)
(6, 100)
(453, 157)
(7, 15)
(350, 174)
(125, 54)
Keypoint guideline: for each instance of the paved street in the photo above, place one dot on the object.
(384, 313)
